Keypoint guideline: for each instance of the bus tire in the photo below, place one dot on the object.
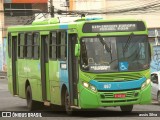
(68, 109)
(127, 108)
(31, 104)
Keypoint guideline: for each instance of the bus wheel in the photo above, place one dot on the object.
(127, 108)
(31, 104)
(68, 109)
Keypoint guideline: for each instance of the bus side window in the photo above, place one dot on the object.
(35, 47)
(28, 40)
(53, 46)
(63, 45)
(9, 45)
(21, 45)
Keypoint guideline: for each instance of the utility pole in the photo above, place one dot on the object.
(51, 8)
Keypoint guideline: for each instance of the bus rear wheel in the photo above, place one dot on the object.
(127, 108)
(31, 104)
(68, 109)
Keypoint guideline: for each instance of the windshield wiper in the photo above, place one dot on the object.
(105, 44)
(128, 42)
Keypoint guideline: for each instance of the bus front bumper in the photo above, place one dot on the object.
(90, 99)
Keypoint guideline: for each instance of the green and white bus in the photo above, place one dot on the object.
(88, 63)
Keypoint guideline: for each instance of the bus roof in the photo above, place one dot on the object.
(53, 23)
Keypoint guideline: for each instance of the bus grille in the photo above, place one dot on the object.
(111, 95)
(118, 77)
(108, 97)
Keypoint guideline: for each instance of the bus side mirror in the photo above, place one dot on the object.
(77, 50)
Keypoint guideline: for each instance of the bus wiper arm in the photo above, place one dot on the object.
(128, 42)
(105, 44)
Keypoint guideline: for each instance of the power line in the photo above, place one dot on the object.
(51, 8)
(29, 21)
(144, 8)
(119, 11)
(58, 11)
(134, 4)
(23, 11)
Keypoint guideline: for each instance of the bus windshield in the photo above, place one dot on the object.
(110, 54)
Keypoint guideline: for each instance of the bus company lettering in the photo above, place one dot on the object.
(107, 86)
(100, 67)
(27, 69)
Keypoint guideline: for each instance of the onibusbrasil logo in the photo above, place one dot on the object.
(21, 114)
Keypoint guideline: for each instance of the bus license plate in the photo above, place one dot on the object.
(119, 95)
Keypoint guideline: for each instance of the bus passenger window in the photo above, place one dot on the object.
(36, 46)
(52, 46)
(29, 45)
(63, 51)
(21, 45)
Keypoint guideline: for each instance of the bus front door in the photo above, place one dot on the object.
(44, 67)
(14, 64)
(73, 69)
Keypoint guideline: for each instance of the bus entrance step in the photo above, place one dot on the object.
(75, 107)
(46, 103)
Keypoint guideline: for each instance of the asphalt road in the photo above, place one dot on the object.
(11, 103)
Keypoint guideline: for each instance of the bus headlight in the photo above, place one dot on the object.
(85, 84)
(145, 83)
(89, 86)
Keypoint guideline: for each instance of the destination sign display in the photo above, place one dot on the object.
(117, 27)
(113, 27)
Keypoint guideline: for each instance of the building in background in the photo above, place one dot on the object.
(21, 12)
(17, 12)
(147, 10)
(88, 5)
(77, 6)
